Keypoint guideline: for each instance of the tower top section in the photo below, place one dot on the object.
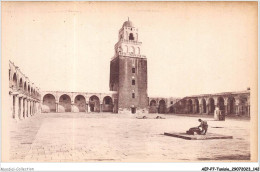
(128, 23)
(128, 43)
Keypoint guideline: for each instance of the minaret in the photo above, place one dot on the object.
(128, 71)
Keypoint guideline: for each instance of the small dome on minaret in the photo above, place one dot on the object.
(128, 23)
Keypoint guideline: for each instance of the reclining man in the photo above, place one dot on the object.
(203, 130)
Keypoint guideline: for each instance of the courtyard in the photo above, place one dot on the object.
(108, 137)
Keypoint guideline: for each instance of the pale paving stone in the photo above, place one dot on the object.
(78, 137)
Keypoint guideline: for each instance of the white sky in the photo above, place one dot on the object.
(191, 48)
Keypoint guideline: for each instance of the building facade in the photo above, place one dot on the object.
(230, 103)
(24, 96)
(58, 101)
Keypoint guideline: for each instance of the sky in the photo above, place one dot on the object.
(191, 47)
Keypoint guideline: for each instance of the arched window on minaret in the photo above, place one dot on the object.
(119, 49)
(132, 50)
(136, 36)
(131, 36)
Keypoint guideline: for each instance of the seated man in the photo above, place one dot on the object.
(203, 130)
(204, 126)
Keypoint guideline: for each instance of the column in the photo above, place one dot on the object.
(101, 110)
(32, 107)
(28, 106)
(200, 108)
(207, 106)
(226, 106)
(237, 106)
(36, 107)
(72, 107)
(11, 104)
(86, 108)
(113, 108)
(57, 106)
(16, 108)
(25, 107)
(194, 107)
(21, 108)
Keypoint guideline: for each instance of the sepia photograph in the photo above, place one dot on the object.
(129, 82)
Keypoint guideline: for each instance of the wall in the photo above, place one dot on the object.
(125, 100)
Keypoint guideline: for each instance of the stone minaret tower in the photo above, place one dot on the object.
(128, 71)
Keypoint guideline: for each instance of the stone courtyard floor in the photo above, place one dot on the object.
(107, 137)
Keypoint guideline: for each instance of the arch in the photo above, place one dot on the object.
(196, 107)
(162, 106)
(21, 83)
(25, 86)
(221, 103)
(107, 104)
(14, 80)
(49, 103)
(136, 36)
(153, 107)
(204, 106)
(231, 105)
(152, 103)
(29, 88)
(189, 106)
(211, 105)
(64, 103)
(94, 104)
(119, 49)
(80, 104)
(132, 50)
(131, 37)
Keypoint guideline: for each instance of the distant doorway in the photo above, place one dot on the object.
(133, 110)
